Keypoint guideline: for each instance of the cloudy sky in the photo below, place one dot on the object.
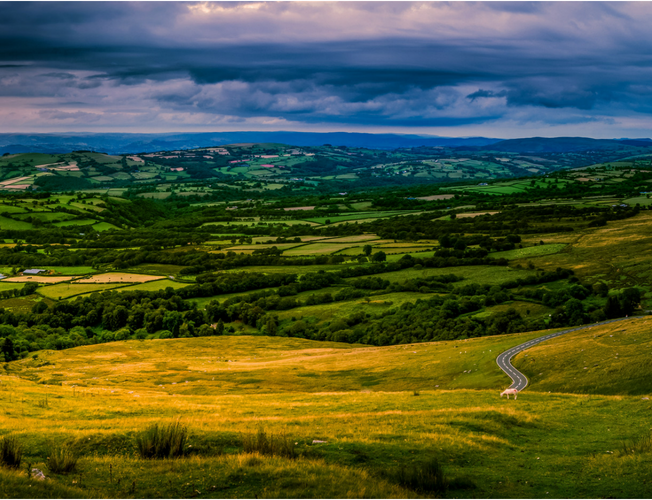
(454, 69)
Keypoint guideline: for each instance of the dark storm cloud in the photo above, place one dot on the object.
(584, 99)
(62, 75)
(486, 93)
(394, 64)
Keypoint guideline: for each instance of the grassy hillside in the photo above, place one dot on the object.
(617, 254)
(248, 365)
(374, 408)
(611, 359)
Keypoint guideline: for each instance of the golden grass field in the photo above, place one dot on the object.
(118, 278)
(374, 408)
(38, 279)
(597, 360)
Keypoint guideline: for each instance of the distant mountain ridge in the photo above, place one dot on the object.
(149, 143)
(565, 144)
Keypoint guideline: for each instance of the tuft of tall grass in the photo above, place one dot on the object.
(162, 441)
(269, 444)
(62, 460)
(641, 444)
(425, 477)
(11, 452)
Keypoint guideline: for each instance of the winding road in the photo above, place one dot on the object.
(520, 381)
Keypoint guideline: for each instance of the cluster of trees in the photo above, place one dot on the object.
(157, 225)
(512, 220)
(167, 232)
(628, 186)
(108, 316)
(28, 289)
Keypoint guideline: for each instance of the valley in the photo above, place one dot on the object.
(325, 322)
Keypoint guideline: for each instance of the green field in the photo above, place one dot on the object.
(639, 200)
(11, 209)
(293, 269)
(156, 269)
(124, 176)
(317, 249)
(31, 159)
(202, 302)
(87, 208)
(351, 250)
(6, 223)
(522, 253)
(66, 290)
(280, 246)
(412, 249)
(526, 309)
(419, 254)
(155, 286)
(507, 187)
(76, 222)
(357, 216)
(490, 275)
(340, 309)
(10, 285)
(156, 195)
(47, 216)
(103, 226)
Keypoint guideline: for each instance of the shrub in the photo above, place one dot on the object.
(162, 441)
(62, 460)
(11, 452)
(426, 477)
(165, 334)
(269, 444)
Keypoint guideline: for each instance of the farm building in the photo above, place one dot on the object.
(34, 271)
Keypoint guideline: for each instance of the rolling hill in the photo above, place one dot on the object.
(354, 414)
(565, 145)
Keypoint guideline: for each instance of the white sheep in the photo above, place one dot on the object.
(508, 392)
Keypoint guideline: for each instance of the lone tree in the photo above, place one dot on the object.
(379, 257)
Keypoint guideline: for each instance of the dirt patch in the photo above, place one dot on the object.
(14, 180)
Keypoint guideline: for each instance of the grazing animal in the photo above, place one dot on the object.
(508, 392)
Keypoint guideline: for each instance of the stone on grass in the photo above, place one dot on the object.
(38, 475)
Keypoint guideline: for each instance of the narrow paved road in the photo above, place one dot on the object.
(520, 381)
